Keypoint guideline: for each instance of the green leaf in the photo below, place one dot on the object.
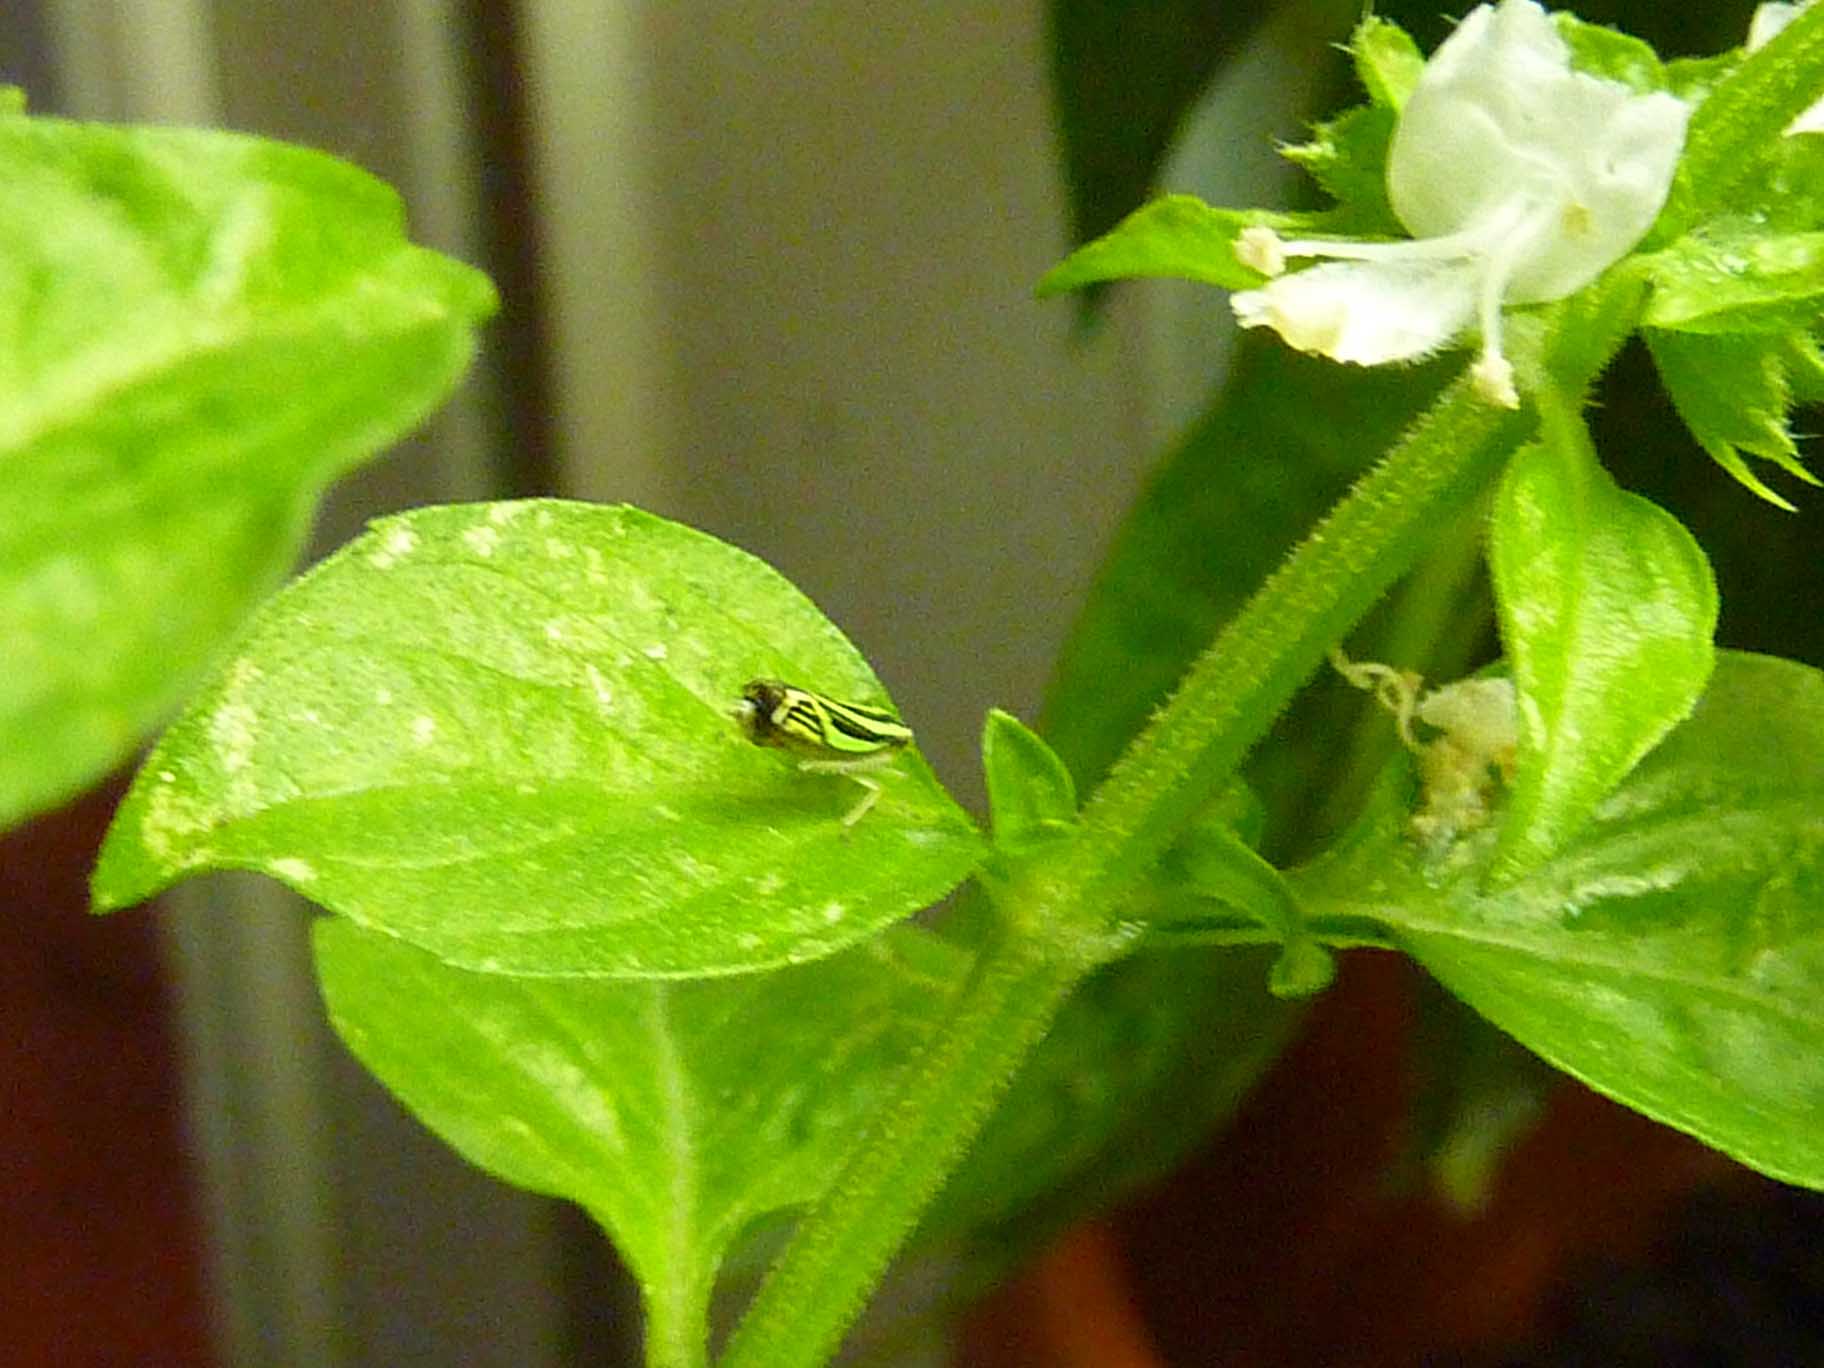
(1030, 793)
(1693, 78)
(1672, 956)
(1124, 76)
(1178, 237)
(1802, 363)
(1387, 61)
(198, 332)
(502, 733)
(1214, 865)
(1347, 157)
(676, 1113)
(1608, 610)
(1735, 276)
(1732, 394)
(1597, 50)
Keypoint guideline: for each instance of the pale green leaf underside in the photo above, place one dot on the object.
(675, 1113)
(502, 733)
(198, 331)
(1672, 956)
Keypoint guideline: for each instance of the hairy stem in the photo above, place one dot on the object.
(1060, 921)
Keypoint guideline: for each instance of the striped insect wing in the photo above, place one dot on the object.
(855, 727)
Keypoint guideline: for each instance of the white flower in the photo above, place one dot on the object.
(1767, 21)
(1520, 180)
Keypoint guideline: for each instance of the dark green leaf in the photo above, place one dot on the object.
(1672, 955)
(1279, 445)
(1124, 76)
(502, 733)
(198, 332)
(675, 1113)
(1479, 1095)
(1031, 796)
(1732, 394)
(1608, 611)
(1146, 1060)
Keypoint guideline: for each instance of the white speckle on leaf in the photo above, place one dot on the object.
(481, 540)
(748, 941)
(383, 695)
(293, 870)
(554, 630)
(503, 513)
(921, 836)
(768, 884)
(834, 912)
(656, 651)
(232, 725)
(592, 565)
(599, 686)
(424, 729)
(668, 814)
(167, 777)
(312, 716)
(398, 543)
(558, 549)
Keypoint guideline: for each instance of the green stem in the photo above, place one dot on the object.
(1241, 683)
(675, 1327)
(844, 1244)
(1059, 921)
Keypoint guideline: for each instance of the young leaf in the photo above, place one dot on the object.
(502, 733)
(1672, 955)
(1178, 237)
(198, 332)
(676, 1114)
(1030, 794)
(1607, 610)
(1215, 865)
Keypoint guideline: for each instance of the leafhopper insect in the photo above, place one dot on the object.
(827, 736)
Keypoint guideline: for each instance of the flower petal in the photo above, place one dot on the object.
(1363, 312)
(1499, 125)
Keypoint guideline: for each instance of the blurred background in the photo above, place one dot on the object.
(765, 268)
